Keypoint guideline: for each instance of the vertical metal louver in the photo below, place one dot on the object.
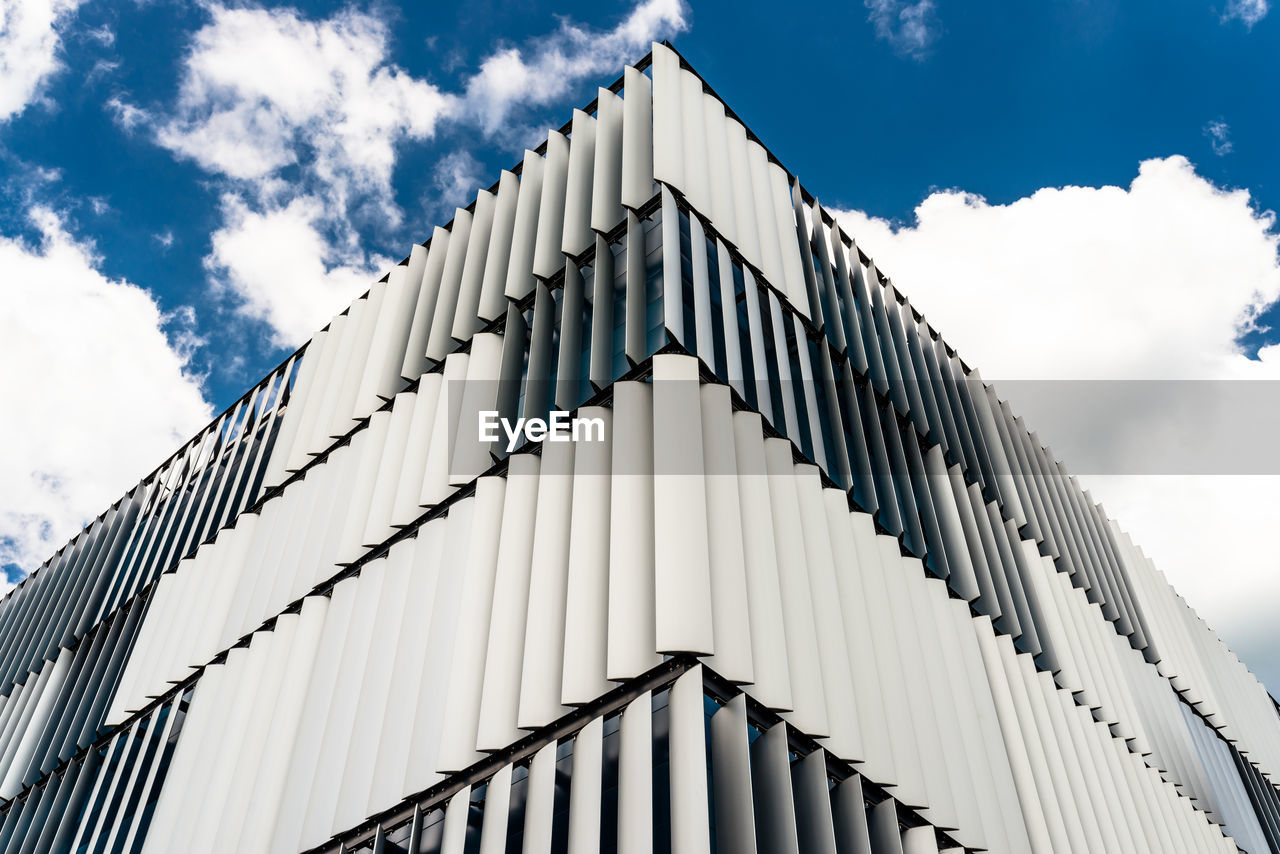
(816, 589)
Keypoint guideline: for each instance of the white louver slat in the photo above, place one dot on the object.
(818, 588)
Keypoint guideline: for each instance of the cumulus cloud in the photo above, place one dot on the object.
(263, 88)
(282, 268)
(454, 181)
(910, 28)
(300, 122)
(1156, 280)
(550, 67)
(29, 45)
(1248, 12)
(1163, 274)
(1219, 134)
(101, 382)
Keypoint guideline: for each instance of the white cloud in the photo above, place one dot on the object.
(1153, 281)
(101, 68)
(513, 78)
(128, 116)
(267, 93)
(455, 180)
(282, 268)
(1160, 275)
(103, 35)
(1219, 134)
(910, 28)
(300, 121)
(98, 392)
(262, 89)
(1249, 12)
(29, 44)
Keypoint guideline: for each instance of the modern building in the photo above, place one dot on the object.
(803, 583)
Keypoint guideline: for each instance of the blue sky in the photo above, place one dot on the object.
(188, 189)
(998, 99)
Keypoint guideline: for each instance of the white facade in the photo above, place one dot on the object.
(816, 590)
